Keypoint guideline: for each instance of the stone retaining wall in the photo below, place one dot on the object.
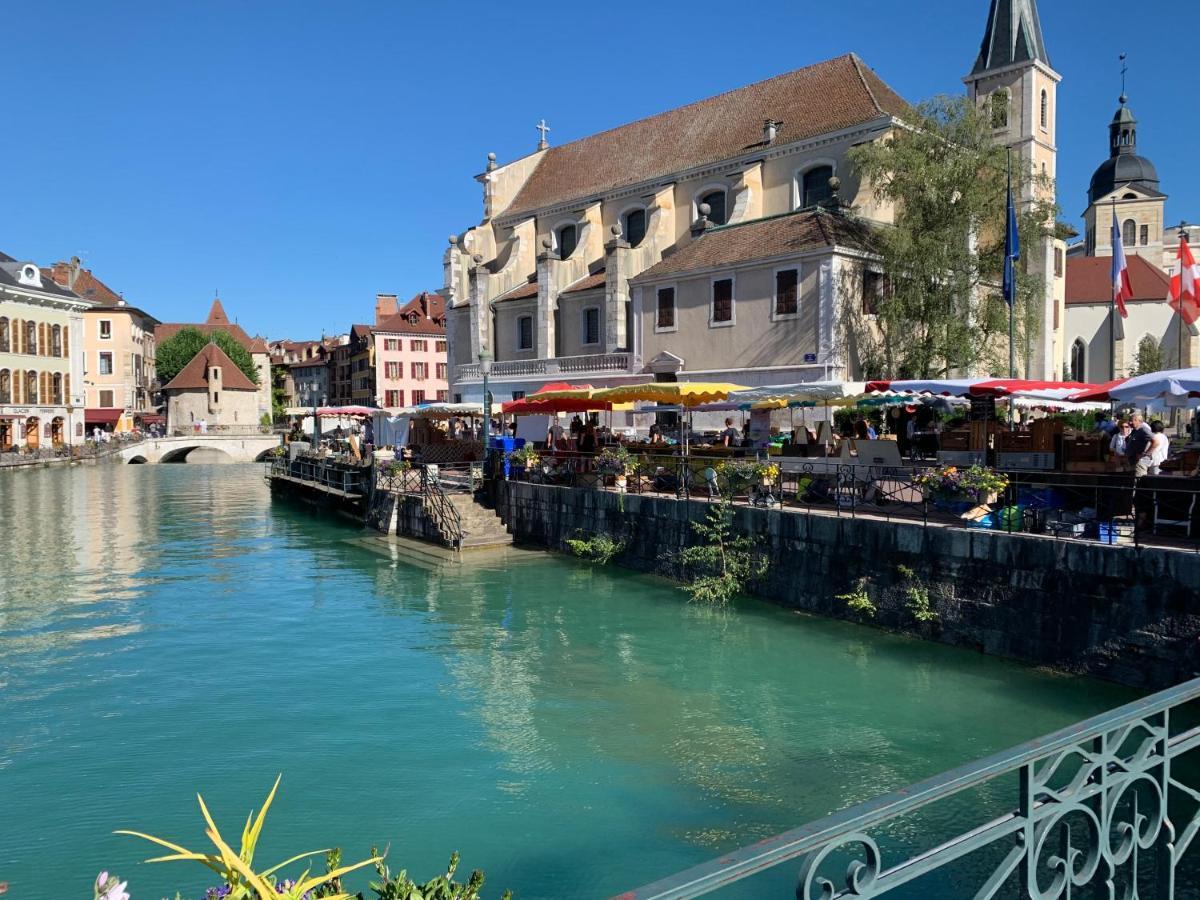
(1127, 614)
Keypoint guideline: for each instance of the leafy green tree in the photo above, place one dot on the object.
(1149, 357)
(179, 349)
(724, 563)
(942, 307)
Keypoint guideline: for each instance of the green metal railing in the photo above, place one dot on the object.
(1099, 809)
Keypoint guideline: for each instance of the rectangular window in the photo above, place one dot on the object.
(525, 333)
(391, 344)
(393, 398)
(106, 362)
(420, 346)
(1058, 262)
(105, 330)
(441, 371)
(1145, 235)
(722, 300)
(591, 325)
(440, 346)
(666, 308)
(420, 371)
(787, 287)
(106, 399)
(518, 395)
(443, 396)
(418, 397)
(391, 370)
(872, 285)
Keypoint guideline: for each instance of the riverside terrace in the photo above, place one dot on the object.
(1160, 511)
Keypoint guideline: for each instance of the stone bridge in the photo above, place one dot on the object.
(201, 448)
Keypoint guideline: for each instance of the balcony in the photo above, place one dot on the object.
(591, 364)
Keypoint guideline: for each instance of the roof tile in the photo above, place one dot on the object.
(194, 376)
(1089, 279)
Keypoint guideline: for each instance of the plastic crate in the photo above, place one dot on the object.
(1118, 531)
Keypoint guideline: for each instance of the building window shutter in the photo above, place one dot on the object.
(723, 300)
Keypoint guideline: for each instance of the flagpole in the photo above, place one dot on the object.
(1179, 311)
(1012, 298)
(1112, 312)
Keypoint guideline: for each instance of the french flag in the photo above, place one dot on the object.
(1121, 286)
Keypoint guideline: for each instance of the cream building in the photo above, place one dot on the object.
(213, 395)
(41, 359)
(118, 348)
(551, 280)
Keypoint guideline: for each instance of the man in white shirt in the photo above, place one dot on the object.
(1155, 453)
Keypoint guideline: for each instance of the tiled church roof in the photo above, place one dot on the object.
(194, 376)
(815, 100)
(1089, 279)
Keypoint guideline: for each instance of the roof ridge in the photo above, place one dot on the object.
(858, 68)
(729, 226)
(732, 90)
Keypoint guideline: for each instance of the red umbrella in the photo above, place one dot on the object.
(532, 406)
(1099, 393)
(1003, 387)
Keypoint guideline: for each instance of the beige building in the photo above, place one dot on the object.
(550, 280)
(211, 394)
(118, 348)
(41, 359)
(258, 348)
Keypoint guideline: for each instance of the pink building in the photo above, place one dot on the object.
(410, 351)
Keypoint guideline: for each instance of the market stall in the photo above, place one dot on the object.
(437, 432)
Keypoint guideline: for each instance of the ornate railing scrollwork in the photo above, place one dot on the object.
(1097, 809)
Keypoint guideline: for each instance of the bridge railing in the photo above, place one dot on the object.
(1106, 805)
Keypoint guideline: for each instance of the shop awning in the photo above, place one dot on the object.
(102, 416)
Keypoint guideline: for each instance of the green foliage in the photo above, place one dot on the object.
(859, 599)
(614, 460)
(443, 887)
(1149, 357)
(236, 868)
(947, 178)
(266, 421)
(916, 596)
(178, 350)
(525, 456)
(599, 548)
(724, 562)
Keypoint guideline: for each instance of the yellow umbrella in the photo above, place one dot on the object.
(124, 424)
(684, 393)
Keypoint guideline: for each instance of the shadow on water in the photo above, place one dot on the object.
(573, 731)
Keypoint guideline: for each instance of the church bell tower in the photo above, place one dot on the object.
(1013, 80)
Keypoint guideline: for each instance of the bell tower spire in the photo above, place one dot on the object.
(1013, 82)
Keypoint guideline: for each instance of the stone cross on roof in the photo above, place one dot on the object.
(542, 128)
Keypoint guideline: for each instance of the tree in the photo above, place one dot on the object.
(180, 348)
(724, 562)
(943, 259)
(1149, 357)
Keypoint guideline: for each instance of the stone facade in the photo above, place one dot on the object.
(1127, 614)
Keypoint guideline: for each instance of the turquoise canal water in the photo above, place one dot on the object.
(167, 629)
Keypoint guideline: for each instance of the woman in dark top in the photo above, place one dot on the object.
(587, 443)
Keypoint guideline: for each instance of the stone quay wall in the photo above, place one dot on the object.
(1126, 614)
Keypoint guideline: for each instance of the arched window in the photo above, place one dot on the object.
(31, 387)
(4, 334)
(56, 387)
(1045, 109)
(1000, 102)
(1129, 233)
(1078, 360)
(56, 340)
(814, 187)
(634, 226)
(31, 338)
(5, 386)
(568, 240)
(716, 206)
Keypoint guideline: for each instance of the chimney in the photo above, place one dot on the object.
(73, 277)
(385, 307)
(770, 130)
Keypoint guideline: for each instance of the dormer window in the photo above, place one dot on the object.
(716, 206)
(567, 238)
(634, 226)
(29, 275)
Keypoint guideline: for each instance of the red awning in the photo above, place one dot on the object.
(102, 416)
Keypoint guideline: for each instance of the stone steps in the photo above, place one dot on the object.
(481, 526)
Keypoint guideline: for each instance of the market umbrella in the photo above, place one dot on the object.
(1022, 387)
(346, 411)
(563, 391)
(440, 410)
(805, 392)
(556, 397)
(949, 387)
(684, 393)
(1174, 387)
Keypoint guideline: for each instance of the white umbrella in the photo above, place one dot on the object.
(1174, 387)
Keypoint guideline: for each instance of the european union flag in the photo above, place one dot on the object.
(1012, 250)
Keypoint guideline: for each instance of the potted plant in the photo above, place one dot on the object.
(765, 472)
(958, 489)
(615, 462)
(523, 458)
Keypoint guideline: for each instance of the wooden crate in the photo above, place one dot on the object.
(1043, 432)
(957, 439)
(1014, 442)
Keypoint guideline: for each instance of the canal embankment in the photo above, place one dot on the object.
(1123, 613)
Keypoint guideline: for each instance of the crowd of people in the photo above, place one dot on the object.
(1136, 445)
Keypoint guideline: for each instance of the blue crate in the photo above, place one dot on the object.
(1041, 497)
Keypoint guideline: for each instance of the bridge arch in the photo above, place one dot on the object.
(138, 460)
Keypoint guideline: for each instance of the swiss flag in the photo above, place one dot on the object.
(1185, 285)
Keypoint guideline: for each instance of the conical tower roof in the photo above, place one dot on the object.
(216, 315)
(1013, 35)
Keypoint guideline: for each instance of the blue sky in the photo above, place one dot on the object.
(302, 156)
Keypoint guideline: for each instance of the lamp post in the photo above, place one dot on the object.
(315, 388)
(485, 367)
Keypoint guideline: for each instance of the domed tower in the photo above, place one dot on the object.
(1013, 80)
(1128, 184)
